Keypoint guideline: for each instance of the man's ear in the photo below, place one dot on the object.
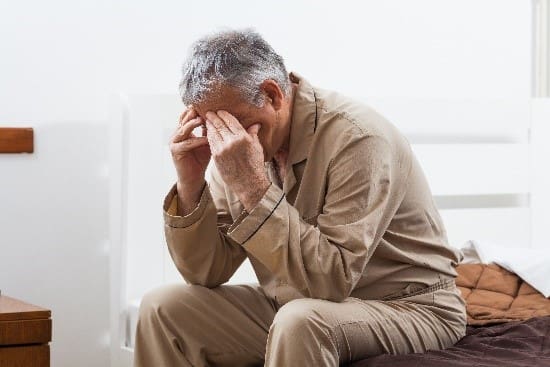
(273, 94)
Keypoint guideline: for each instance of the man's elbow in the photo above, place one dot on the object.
(202, 280)
(335, 294)
(336, 298)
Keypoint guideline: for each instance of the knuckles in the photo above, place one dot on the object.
(233, 146)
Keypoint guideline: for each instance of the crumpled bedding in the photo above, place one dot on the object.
(495, 295)
(508, 325)
(511, 344)
(531, 264)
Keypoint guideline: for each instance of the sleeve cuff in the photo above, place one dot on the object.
(246, 225)
(171, 204)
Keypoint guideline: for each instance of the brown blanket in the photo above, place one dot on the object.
(512, 344)
(494, 295)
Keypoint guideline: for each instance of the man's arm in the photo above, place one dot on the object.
(327, 260)
(197, 241)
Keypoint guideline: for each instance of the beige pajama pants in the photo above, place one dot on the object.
(237, 325)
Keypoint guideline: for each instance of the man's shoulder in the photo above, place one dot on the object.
(343, 120)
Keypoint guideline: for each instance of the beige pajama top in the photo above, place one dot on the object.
(354, 217)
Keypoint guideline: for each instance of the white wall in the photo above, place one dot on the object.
(54, 233)
(61, 60)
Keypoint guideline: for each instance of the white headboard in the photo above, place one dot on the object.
(476, 157)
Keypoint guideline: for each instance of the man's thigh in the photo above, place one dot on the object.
(362, 328)
(223, 326)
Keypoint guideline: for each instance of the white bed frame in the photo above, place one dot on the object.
(487, 161)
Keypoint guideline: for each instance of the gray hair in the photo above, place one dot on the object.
(239, 58)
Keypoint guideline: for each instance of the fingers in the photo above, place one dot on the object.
(231, 122)
(254, 129)
(214, 137)
(185, 130)
(218, 123)
(187, 115)
(182, 116)
(189, 144)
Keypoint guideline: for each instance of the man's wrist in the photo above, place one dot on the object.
(188, 197)
(251, 197)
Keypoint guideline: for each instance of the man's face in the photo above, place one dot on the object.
(228, 99)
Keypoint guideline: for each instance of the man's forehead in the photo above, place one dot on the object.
(219, 95)
(202, 109)
(234, 106)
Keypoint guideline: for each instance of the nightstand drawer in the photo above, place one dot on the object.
(25, 331)
(25, 356)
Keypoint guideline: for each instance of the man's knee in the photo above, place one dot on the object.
(300, 317)
(164, 301)
(301, 332)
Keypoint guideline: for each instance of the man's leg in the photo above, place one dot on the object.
(310, 332)
(187, 325)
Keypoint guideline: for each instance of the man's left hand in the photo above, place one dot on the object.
(239, 156)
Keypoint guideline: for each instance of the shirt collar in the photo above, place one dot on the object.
(303, 120)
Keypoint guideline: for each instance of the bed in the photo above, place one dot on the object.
(511, 344)
(508, 325)
(495, 191)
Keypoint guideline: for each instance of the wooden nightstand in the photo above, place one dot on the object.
(25, 331)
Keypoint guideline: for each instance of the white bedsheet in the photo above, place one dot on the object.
(532, 265)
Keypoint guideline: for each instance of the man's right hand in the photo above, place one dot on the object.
(190, 155)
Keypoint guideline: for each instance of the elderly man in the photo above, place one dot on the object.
(326, 200)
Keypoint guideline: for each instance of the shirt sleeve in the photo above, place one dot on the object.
(198, 242)
(327, 260)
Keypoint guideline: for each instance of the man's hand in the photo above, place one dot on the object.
(191, 155)
(239, 157)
